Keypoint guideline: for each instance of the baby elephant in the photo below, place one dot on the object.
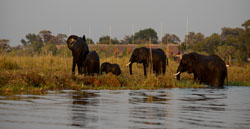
(92, 63)
(113, 68)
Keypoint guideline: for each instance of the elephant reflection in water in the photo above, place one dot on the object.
(81, 106)
(153, 115)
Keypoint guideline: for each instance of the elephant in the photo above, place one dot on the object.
(210, 70)
(79, 49)
(142, 55)
(92, 63)
(113, 68)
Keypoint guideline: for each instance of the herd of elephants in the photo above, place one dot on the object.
(210, 70)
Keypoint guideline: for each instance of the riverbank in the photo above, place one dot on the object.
(54, 73)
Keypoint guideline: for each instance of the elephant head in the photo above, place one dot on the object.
(139, 55)
(71, 40)
(187, 64)
(104, 67)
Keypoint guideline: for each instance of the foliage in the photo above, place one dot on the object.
(170, 38)
(107, 40)
(53, 73)
(4, 45)
(145, 35)
(89, 41)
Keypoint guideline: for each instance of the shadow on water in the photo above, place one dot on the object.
(135, 109)
(203, 107)
(84, 109)
(146, 109)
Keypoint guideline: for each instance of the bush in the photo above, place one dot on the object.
(8, 64)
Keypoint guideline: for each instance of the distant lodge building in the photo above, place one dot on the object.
(172, 50)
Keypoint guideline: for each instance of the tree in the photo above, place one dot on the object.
(49, 49)
(4, 45)
(89, 41)
(244, 41)
(33, 42)
(145, 35)
(193, 39)
(45, 35)
(226, 52)
(246, 24)
(106, 40)
(226, 31)
(61, 38)
(127, 40)
(168, 38)
(211, 43)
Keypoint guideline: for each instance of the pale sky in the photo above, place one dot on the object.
(20, 17)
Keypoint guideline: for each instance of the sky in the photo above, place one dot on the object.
(93, 18)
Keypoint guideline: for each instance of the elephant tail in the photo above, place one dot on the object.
(227, 80)
(226, 76)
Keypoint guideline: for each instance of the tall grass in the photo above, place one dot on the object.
(53, 73)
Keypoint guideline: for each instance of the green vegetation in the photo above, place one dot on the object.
(232, 45)
(54, 73)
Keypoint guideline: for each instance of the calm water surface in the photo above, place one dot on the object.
(133, 109)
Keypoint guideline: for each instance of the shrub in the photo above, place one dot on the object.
(8, 64)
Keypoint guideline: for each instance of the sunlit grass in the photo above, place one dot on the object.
(54, 73)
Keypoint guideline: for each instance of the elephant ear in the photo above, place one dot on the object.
(71, 40)
(83, 37)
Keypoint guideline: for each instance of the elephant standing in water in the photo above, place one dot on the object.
(79, 49)
(206, 69)
(92, 63)
(113, 68)
(142, 55)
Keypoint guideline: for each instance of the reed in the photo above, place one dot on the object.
(54, 73)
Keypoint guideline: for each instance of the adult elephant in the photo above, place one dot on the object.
(110, 68)
(210, 70)
(142, 55)
(79, 49)
(92, 63)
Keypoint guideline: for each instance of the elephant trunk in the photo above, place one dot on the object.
(178, 73)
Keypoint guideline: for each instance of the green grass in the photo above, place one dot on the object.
(54, 73)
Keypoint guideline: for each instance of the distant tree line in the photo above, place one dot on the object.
(231, 44)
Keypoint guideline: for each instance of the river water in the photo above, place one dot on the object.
(133, 109)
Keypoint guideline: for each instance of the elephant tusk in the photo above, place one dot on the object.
(128, 63)
(177, 73)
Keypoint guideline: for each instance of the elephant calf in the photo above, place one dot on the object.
(92, 63)
(113, 68)
(211, 70)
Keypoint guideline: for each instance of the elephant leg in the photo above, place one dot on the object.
(163, 68)
(145, 69)
(85, 70)
(73, 66)
(196, 79)
(156, 70)
(79, 66)
(98, 70)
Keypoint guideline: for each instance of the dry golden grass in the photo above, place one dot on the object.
(54, 73)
